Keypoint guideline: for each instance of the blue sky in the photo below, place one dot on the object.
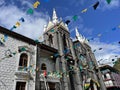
(90, 24)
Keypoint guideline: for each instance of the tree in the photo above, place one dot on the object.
(117, 64)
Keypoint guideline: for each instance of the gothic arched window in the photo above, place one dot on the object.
(64, 41)
(23, 60)
(51, 39)
(43, 67)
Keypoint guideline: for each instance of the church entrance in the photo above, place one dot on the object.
(51, 86)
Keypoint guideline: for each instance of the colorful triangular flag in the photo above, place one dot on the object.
(30, 11)
(100, 48)
(67, 22)
(17, 24)
(52, 30)
(13, 28)
(119, 42)
(94, 50)
(1, 43)
(2, 39)
(84, 10)
(75, 17)
(22, 19)
(5, 37)
(113, 29)
(96, 5)
(35, 5)
(108, 1)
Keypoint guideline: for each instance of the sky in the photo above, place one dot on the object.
(100, 26)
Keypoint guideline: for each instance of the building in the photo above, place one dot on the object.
(57, 63)
(111, 77)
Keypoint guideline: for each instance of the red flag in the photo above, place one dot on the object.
(45, 73)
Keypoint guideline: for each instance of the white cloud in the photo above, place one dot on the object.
(108, 52)
(23, 2)
(114, 4)
(33, 25)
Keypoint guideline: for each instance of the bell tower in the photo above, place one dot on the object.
(52, 30)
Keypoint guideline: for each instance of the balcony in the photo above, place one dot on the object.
(51, 77)
(23, 73)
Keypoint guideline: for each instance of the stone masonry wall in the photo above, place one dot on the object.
(9, 66)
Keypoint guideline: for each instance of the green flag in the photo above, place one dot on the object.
(30, 11)
(80, 67)
(23, 49)
(52, 30)
(75, 17)
(108, 1)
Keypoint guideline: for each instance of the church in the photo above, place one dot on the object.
(57, 63)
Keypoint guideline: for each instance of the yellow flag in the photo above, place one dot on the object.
(17, 24)
(35, 5)
(84, 10)
(2, 39)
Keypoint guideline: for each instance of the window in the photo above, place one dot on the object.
(20, 85)
(64, 41)
(108, 76)
(51, 39)
(105, 77)
(43, 67)
(23, 60)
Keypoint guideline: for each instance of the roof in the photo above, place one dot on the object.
(26, 39)
(46, 47)
(16, 35)
(103, 67)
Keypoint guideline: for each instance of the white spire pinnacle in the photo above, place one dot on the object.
(81, 38)
(54, 18)
(45, 27)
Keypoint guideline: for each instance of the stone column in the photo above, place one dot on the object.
(77, 76)
(55, 40)
(37, 80)
(100, 79)
(89, 58)
(57, 64)
(60, 43)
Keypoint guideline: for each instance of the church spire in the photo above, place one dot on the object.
(54, 18)
(81, 38)
(78, 36)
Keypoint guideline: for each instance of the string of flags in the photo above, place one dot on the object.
(8, 53)
(75, 17)
(112, 60)
(95, 6)
(29, 11)
(97, 50)
(105, 32)
(21, 20)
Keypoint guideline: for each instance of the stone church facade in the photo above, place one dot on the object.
(57, 63)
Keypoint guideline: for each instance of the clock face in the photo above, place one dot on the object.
(8, 52)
